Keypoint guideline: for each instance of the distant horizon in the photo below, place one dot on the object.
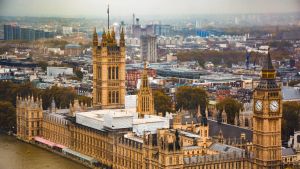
(144, 8)
(148, 15)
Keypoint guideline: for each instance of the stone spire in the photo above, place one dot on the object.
(145, 102)
(53, 106)
(144, 79)
(122, 38)
(113, 36)
(203, 117)
(267, 64)
(95, 38)
(224, 115)
(236, 120)
(268, 74)
(104, 39)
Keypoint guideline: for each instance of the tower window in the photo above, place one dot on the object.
(113, 73)
(99, 72)
(99, 96)
(117, 96)
(109, 97)
(117, 72)
(109, 72)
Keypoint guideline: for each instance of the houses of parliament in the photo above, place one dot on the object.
(124, 132)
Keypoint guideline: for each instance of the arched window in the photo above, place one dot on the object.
(109, 96)
(113, 73)
(109, 72)
(117, 97)
(117, 72)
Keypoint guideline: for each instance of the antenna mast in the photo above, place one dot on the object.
(108, 16)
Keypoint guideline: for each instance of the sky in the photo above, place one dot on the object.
(97, 8)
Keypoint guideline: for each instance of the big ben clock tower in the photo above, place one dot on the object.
(267, 119)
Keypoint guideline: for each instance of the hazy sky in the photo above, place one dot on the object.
(97, 8)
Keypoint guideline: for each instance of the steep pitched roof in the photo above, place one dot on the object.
(228, 131)
(267, 64)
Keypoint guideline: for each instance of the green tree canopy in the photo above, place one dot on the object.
(7, 115)
(85, 100)
(189, 98)
(78, 74)
(232, 108)
(290, 119)
(62, 96)
(162, 102)
(9, 92)
(229, 57)
(43, 65)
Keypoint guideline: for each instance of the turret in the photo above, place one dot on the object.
(145, 103)
(34, 106)
(104, 39)
(95, 38)
(224, 115)
(113, 36)
(53, 106)
(122, 38)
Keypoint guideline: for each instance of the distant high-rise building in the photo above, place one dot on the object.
(67, 30)
(162, 30)
(39, 34)
(8, 35)
(27, 34)
(14, 32)
(149, 48)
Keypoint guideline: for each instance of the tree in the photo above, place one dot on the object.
(43, 65)
(162, 102)
(62, 96)
(232, 108)
(290, 119)
(85, 100)
(294, 82)
(79, 74)
(7, 115)
(189, 98)
(229, 56)
(9, 91)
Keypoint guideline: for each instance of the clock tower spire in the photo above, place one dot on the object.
(267, 119)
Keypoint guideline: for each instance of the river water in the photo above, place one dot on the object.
(15, 154)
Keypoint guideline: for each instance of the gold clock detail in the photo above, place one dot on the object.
(274, 106)
(258, 105)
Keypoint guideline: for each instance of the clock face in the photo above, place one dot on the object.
(274, 106)
(258, 105)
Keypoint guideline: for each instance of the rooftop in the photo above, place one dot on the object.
(288, 152)
(290, 94)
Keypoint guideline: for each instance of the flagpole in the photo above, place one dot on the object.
(108, 16)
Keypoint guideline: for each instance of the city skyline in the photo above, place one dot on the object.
(94, 8)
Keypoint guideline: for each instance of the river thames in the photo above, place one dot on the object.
(15, 154)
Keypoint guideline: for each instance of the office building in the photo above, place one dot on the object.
(15, 32)
(149, 48)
